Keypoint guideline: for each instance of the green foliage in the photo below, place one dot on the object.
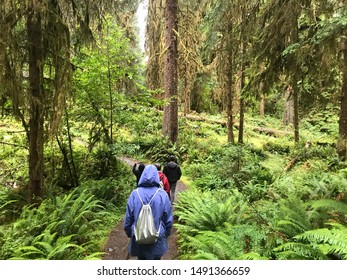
(47, 247)
(102, 163)
(293, 217)
(105, 81)
(277, 147)
(324, 210)
(220, 225)
(67, 227)
(204, 211)
(325, 185)
(317, 244)
(229, 166)
(214, 245)
(330, 28)
(11, 203)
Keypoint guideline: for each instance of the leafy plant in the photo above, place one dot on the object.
(47, 246)
(317, 244)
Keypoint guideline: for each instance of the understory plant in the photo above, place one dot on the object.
(69, 226)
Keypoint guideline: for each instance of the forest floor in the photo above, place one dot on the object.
(116, 246)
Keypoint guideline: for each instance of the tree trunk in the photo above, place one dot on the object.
(170, 116)
(242, 103)
(342, 138)
(109, 77)
(186, 89)
(288, 114)
(262, 101)
(296, 112)
(74, 170)
(230, 117)
(36, 92)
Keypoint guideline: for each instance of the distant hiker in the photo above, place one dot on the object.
(137, 170)
(162, 212)
(173, 173)
(163, 179)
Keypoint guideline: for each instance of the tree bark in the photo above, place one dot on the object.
(288, 114)
(170, 116)
(342, 138)
(230, 116)
(36, 92)
(230, 111)
(296, 112)
(262, 100)
(242, 102)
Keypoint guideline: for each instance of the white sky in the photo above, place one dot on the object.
(141, 15)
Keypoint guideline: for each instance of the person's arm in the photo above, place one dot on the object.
(165, 170)
(129, 217)
(167, 217)
(179, 173)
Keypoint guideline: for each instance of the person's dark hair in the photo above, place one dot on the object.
(141, 166)
(172, 158)
(158, 166)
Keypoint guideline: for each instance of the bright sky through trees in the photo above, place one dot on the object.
(141, 15)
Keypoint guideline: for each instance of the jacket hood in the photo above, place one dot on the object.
(172, 164)
(149, 177)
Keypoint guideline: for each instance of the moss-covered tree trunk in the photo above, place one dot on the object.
(170, 116)
(342, 139)
(230, 97)
(36, 103)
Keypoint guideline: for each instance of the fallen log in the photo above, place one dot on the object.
(271, 131)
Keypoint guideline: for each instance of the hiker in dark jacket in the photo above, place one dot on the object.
(162, 213)
(137, 170)
(173, 173)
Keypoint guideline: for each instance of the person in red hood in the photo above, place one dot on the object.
(163, 179)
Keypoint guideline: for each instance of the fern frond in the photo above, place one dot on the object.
(200, 255)
(336, 238)
(299, 251)
(252, 256)
(329, 209)
(294, 218)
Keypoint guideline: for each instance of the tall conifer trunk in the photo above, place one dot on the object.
(170, 116)
(242, 99)
(342, 139)
(36, 93)
(230, 94)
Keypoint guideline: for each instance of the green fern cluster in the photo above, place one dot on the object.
(11, 203)
(62, 225)
(312, 230)
(217, 225)
(47, 246)
(293, 217)
(313, 185)
(317, 244)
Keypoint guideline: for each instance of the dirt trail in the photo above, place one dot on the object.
(116, 247)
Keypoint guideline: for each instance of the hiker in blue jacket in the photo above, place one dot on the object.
(162, 213)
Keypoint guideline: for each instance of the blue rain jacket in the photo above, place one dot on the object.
(162, 213)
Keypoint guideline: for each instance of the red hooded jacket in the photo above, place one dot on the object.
(163, 178)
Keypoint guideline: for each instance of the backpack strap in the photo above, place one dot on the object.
(137, 190)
